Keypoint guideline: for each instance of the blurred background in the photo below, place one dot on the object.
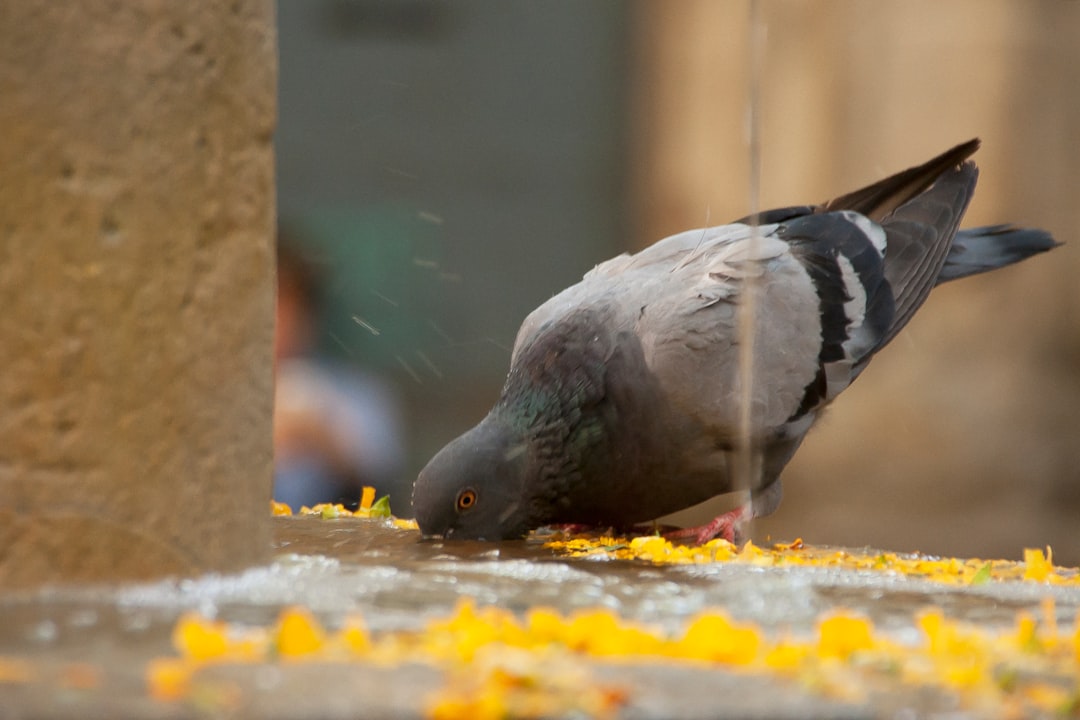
(443, 168)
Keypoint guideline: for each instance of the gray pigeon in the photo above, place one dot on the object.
(622, 401)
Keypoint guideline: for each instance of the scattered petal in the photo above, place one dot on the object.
(169, 679)
(841, 635)
(298, 634)
(367, 497)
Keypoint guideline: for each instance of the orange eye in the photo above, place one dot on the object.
(465, 499)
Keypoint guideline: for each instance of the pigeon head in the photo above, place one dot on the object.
(518, 468)
(474, 487)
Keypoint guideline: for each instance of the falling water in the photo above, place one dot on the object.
(745, 466)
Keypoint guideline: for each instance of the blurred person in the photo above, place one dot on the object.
(336, 428)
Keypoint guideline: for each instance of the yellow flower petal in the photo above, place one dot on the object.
(298, 634)
(1037, 567)
(367, 497)
(1026, 636)
(15, 670)
(587, 629)
(355, 637)
(786, 656)
(198, 638)
(841, 635)
(713, 637)
(547, 626)
(168, 679)
(1076, 639)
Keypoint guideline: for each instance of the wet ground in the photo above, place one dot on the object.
(83, 652)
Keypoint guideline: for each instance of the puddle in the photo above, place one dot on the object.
(341, 567)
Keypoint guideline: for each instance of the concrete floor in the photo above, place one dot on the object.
(83, 651)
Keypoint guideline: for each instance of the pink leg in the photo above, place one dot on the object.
(728, 526)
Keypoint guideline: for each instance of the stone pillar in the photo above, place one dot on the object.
(136, 288)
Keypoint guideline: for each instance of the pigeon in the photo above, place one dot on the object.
(623, 399)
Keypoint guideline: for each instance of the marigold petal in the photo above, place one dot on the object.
(168, 679)
(298, 633)
(1037, 567)
(841, 635)
(786, 656)
(545, 625)
(355, 637)
(713, 637)
(367, 496)
(199, 638)
(15, 670)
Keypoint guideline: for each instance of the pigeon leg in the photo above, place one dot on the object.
(728, 526)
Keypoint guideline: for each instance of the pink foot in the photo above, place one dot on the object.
(728, 526)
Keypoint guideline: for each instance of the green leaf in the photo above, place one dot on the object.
(381, 507)
(1007, 678)
(982, 576)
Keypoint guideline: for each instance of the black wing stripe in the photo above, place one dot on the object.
(852, 323)
(824, 270)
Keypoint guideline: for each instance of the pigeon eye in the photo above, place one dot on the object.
(465, 499)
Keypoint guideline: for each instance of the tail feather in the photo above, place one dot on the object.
(919, 234)
(877, 201)
(977, 250)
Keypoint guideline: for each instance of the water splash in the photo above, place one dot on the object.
(366, 325)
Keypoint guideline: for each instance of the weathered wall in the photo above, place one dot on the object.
(961, 436)
(136, 306)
